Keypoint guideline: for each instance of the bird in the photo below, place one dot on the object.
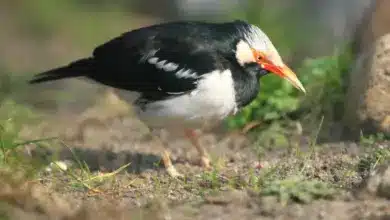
(187, 75)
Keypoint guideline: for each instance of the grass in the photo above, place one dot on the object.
(80, 177)
(12, 119)
(297, 177)
(375, 153)
(298, 189)
(288, 184)
(293, 179)
(11, 151)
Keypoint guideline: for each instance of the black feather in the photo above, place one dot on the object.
(197, 46)
(82, 67)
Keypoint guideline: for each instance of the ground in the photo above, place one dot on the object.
(301, 181)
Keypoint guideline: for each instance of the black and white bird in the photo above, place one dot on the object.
(187, 75)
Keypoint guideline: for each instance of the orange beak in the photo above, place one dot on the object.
(284, 72)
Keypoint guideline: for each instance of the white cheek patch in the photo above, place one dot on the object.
(244, 53)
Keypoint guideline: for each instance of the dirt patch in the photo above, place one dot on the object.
(307, 182)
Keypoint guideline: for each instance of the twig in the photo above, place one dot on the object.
(107, 175)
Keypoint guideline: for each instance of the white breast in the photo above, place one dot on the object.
(210, 102)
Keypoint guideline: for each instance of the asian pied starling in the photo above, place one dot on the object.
(187, 75)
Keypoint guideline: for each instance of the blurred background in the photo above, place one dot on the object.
(272, 160)
(313, 36)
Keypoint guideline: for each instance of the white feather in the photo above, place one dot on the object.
(148, 55)
(210, 102)
(153, 60)
(244, 53)
(164, 64)
(258, 40)
(183, 73)
(161, 64)
(169, 67)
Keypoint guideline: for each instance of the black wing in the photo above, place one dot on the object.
(156, 63)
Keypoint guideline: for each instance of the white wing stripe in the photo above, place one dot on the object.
(170, 66)
(153, 60)
(164, 64)
(186, 74)
(161, 64)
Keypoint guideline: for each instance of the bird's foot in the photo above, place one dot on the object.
(171, 170)
(205, 162)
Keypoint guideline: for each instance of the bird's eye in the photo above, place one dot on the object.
(260, 56)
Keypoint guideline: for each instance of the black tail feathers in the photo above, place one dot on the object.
(82, 67)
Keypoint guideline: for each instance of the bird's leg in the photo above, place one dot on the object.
(165, 156)
(171, 170)
(204, 157)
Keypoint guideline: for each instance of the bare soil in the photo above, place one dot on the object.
(144, 191)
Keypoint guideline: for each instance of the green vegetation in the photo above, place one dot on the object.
(12, 118)
(323, 79)
(321, 76)
(298, 189)
(375, 155)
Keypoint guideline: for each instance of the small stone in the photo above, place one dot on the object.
(58, 166)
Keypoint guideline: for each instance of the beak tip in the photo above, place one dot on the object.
(299, 86)
(290, 76)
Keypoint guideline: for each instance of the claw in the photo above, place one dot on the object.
(205, 162)
(171, 170)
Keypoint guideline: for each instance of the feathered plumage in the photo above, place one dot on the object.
(186, 73)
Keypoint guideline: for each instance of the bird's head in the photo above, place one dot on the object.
(255, 50)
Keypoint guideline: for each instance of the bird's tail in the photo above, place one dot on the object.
(81, 67)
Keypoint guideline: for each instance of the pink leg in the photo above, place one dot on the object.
(204, 157)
